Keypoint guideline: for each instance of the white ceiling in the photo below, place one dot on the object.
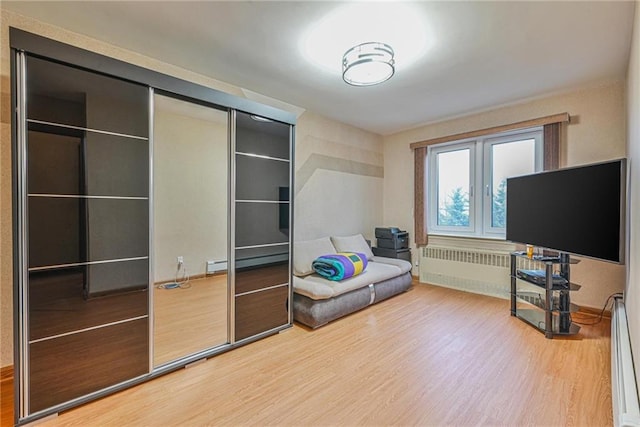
(482, 54)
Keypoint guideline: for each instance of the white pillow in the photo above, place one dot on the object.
(306, 251)
(355, 243)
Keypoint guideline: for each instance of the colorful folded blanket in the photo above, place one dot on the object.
(340, 266)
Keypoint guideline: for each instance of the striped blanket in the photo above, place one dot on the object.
(340, 266)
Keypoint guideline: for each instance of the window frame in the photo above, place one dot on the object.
(433, 175)
(481, 167)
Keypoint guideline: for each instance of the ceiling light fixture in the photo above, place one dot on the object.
(368, 64)
(403, 25)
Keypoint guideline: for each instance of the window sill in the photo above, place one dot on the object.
(471, 242)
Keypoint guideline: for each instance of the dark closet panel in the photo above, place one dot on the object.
(117, 229)
(55, 163)
(70, 96)
(272, 185)
(250, 257)
(71, 230)
(60, 300)
(116, 166)
(261, 311)
(71, 366)
(262, 138)
(261, 223)
(264, 276)
(57, 231)
(89, 163)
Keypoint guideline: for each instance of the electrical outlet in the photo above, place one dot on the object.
(180, 260)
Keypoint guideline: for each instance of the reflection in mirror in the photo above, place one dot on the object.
(190, 180)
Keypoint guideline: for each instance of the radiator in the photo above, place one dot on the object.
(482, 272)
(624, 391)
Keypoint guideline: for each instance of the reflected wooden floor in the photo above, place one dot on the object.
(189, 319)
(430, 356)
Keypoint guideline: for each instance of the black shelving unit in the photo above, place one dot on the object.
(541, 297)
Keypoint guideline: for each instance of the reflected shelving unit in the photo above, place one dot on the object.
(541, 293)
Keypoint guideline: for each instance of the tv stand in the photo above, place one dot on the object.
(541, 297)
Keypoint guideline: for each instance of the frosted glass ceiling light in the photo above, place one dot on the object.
(402, 25)
(368, 64)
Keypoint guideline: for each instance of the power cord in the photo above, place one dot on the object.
(184, 284)
(185, 278)
(609, 299)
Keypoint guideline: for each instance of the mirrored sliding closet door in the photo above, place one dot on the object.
(153, 223)
(190, 228)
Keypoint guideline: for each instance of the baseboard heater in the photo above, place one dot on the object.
(624, 390)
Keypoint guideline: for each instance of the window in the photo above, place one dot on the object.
(467, 181)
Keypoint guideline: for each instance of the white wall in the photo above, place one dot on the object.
(190, 169)
(632, 290)
(339, 179)
(596, 133)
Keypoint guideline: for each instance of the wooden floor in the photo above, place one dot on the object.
(190, 318)
(6, 396)
(431, 356)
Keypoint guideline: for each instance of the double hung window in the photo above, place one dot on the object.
(467, 181)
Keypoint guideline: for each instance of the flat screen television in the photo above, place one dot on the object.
(578, 210)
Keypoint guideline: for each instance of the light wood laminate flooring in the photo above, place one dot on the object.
(430, 356)
(190, 318)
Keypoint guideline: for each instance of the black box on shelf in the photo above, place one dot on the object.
(392, 238)
(399, 241)
(539, 277)
(404, 254)
(387, 232)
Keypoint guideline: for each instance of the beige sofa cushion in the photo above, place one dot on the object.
(404, 266)
(317, 287)
(355, 243)
(306, 251)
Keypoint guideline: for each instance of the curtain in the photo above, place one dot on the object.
(551, 146)
(420, 195)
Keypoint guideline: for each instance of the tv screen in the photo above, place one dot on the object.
(578, 210)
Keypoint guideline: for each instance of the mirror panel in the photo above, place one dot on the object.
(190, 180)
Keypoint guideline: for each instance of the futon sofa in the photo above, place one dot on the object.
(318, 301)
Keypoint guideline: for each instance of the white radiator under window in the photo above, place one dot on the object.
(481, 272)
(624, 391)
(484, 272)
